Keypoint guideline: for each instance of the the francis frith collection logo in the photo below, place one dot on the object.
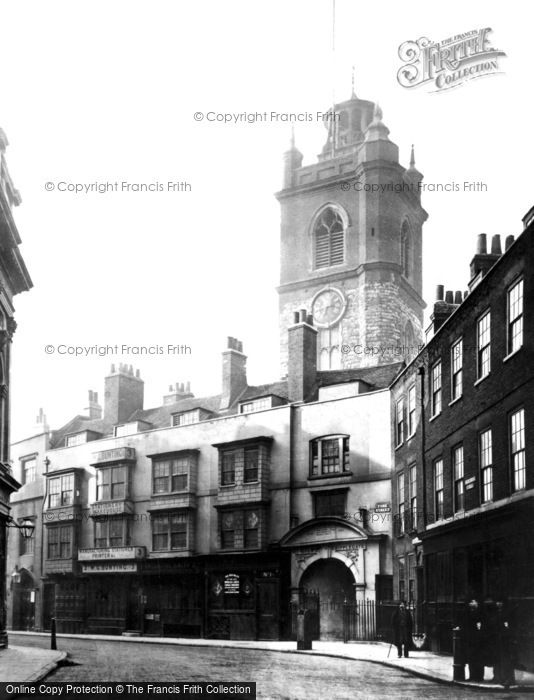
(450, 62)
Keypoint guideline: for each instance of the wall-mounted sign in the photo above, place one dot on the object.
(111, 553)
(470, 483)
(112, 508)
(231, 583)
(110, 568)
(383, 508)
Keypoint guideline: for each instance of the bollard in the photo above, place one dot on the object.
(458, 664)
(53, 644)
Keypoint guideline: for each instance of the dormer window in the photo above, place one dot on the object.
(76, 439)
(260, 404)
(329, 456)
(186, 418)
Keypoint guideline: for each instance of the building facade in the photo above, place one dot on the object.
(208, 516)
(463, 486)
(14, 278)
(351, 243)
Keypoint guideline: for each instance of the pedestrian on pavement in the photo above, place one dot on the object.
(473, 636)
(505, 648)
(401, 623)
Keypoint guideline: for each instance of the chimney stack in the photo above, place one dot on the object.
(234, 372)
(124, 393)
(41, 424)
(444, 307)
(93, 410)
(302, 357)
(509, 242)
(482, 260)
(177, 392)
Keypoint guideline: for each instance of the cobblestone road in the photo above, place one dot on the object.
(278, 675)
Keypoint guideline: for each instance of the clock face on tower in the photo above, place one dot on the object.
(328, 306)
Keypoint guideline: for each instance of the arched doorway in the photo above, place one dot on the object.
(24, 601)
(334, 583)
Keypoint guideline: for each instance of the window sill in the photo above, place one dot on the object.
(511, 354)
(250, 483)
(479, 381)
(451, 403)
(182, 492)
(228, 486)
(437, 415)
(314, 477)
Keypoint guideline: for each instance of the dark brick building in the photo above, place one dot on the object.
(462, 412)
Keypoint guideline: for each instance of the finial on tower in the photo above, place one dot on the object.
(353, 93)
(377, 114)
(412, 159)
(292, 140)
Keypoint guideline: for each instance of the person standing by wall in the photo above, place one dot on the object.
(401, 623)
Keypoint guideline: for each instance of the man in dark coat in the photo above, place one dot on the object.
(504, 645)
(401, 623)
(474, 638)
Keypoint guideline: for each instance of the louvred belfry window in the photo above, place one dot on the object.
(329, 235)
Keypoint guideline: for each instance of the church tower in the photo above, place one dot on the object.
(351, 243)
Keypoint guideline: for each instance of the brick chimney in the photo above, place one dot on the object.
(234, 372)
(446, 303)
(177, 392)
(94, 409)
(124, 391)
(302, 357)
(482, 260)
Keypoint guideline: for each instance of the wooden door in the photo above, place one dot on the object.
(268, 608)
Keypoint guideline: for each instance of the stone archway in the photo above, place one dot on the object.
(334, 583)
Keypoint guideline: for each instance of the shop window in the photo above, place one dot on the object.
(330, 503)
(329, 455)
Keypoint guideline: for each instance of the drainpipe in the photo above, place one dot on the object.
(292, 441)
(422, 406)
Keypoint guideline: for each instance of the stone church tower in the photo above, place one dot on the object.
(351, 243)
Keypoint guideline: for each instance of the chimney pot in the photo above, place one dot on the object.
(240, 346)
(482, 247)
(112, 369)
(303, 315)
(188, 387)
(449, 297)
(458, 297)
(496, 245)
(309, 320)
(296, 317)
(509, 241)
(466, 294)
(440, 291)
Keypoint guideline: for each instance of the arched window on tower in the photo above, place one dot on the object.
(329, 238)
(328, 351)
(405, 250)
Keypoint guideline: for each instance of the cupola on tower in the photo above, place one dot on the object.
(351, 243)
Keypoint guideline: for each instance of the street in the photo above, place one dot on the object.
(278, 675)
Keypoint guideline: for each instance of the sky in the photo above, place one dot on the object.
(100, 92)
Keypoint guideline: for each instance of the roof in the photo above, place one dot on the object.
(79, 424)
(376, 377)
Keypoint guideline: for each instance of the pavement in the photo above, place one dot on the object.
(27, 664)
(20, 664)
